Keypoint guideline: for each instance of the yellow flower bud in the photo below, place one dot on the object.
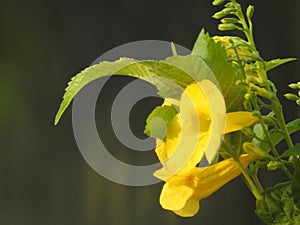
(250, 11)
(291, 97)
(293, 86)
(217, 2)
(254, 151)
(261, 91)
(224, 12)
(229, 26)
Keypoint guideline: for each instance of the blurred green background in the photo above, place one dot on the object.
(43, 177)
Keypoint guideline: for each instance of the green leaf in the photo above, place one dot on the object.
(169, 80)
(277, 62)
(87, 75)
(151, 71)
(226, 74)
(158, 120)
(277, 206)
(232, 144)
(259, 132)
(277, 136)
(192, 65)
(170, 76)
(295, 150)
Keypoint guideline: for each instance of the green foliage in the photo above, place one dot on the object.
(277, 136)
(295, 150)
(278, 205)
(158, 120)
(232, 144)
(259, 133)
(166, 75)
(226, 74)
(169, 79)
(276, 62)
(87, 75)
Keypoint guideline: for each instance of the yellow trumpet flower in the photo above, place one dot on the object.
(197, 130)
(182, 193)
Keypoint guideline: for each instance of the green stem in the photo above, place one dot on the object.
(277, 108)
(249, 36)
(288, 173)
(266, 132)
(250, 182)
(269, 139)
(238, 61)
(255, 178)
(273, 149)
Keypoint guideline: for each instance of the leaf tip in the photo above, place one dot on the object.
(58, 115)
(173, 48)
(56, 119)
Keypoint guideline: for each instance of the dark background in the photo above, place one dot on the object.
(43, 177)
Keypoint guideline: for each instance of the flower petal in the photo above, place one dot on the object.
(174, 197)
(202, 122)
(218, 118)
(164, 149)
(217, 175)
(184, 150)
(194, 98)
(237, 120)
(182, 193)
(191, 207)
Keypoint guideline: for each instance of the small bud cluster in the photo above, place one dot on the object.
(294, 97)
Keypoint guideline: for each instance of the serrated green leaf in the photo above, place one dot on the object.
(277, 206)
(276, 136)
(87, 75)
(158, 120)
(177, 77)
(170, 76)
(192, 65)
(226, 74)
(277, 62)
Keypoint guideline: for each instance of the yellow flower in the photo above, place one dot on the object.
(182, 193)
(197, 130)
